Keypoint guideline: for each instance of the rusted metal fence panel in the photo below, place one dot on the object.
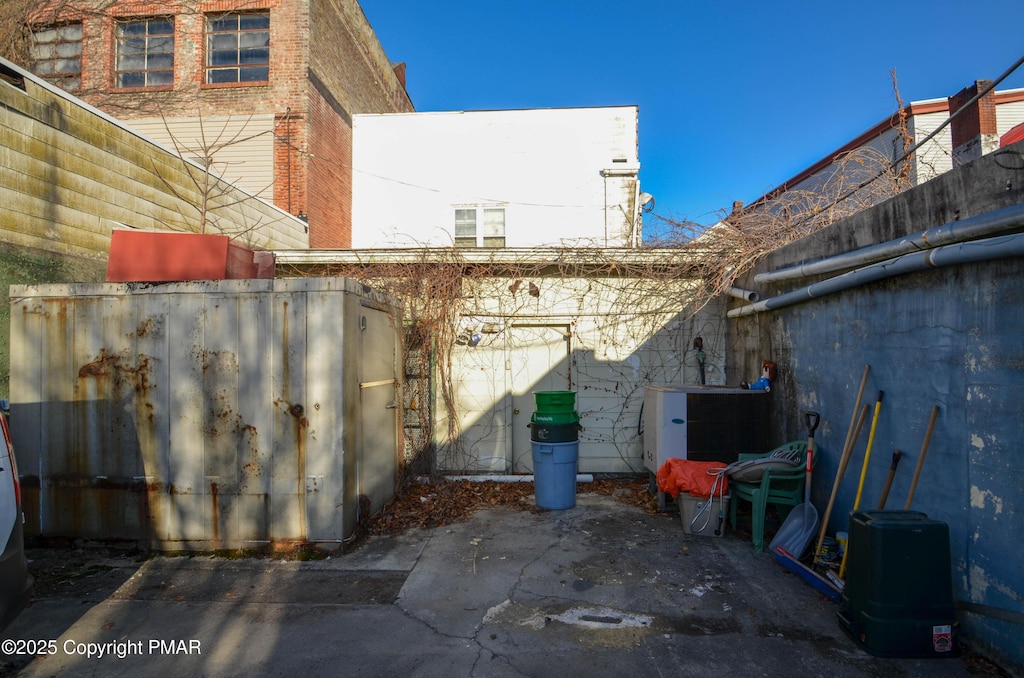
(214, 414)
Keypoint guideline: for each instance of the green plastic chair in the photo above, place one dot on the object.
(782, 487)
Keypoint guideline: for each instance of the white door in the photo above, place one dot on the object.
(539, 360)
(494, 382)
(481, 403)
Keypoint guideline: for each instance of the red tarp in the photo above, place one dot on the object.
(683, 475)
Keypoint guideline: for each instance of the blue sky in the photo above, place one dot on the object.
(735, 97)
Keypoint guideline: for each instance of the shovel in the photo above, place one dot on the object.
(801, 524)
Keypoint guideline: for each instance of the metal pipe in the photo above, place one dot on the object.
(988, 249)
(980, 226)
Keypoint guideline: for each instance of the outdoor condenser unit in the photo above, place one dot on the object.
(702, 423)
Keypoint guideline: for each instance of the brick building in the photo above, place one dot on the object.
(975, 131)
(261, 91)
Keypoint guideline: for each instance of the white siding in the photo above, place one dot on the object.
(241, 147)
(65, 187)
(935, 157)
(546, 168)
(607, 357)
(1008, 116)
(929, 161)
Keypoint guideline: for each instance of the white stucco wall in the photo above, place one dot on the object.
(562, 176)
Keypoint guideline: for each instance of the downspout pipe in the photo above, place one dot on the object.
(980, 226)
(975, 251)
(745, 295)
(739, 293)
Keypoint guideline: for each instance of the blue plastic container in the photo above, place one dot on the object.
(554, 474)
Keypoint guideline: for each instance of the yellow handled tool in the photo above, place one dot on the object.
(863, 472)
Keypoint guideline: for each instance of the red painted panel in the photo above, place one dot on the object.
(1014, 135)
(154, 256)
(149, 256)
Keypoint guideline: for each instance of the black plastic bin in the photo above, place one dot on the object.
(898, 596)
(554, 433)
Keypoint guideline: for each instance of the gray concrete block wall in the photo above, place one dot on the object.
(947, 337)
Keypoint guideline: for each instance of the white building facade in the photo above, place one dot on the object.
(492, 179)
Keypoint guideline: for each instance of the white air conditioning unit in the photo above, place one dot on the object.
(702, 423)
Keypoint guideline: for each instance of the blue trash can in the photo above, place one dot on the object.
(554, 474)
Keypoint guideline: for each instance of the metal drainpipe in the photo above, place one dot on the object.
(980, 226)
(635, 237)
(988, 249)
(603, 174)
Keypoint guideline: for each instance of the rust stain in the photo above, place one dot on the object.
(286, 368)
(301, 429)
(214, 512)
(144, 328)
(252, 467)
(97, 368)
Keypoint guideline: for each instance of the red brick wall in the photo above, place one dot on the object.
(289, 163)
(330, 174)
(978, 120)
(326, 64)
(347, 57)
(349, 74)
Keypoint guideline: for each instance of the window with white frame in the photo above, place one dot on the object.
(144, 53)
(479, 227)
(56, 54)
(238, 47)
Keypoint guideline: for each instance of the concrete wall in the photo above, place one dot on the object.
(564, 177)
(73, 173)
(947, 337)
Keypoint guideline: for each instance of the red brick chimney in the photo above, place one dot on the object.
(974, 131)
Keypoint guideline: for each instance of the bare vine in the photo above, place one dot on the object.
(665, 284)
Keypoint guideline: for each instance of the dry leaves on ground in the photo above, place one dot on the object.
(426, 505)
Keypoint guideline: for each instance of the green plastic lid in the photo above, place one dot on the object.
(555, 418)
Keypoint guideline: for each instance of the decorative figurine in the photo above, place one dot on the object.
(768, 373)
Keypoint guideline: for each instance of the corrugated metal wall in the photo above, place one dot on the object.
(204, 415)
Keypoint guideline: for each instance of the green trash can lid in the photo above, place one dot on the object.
(555, 401)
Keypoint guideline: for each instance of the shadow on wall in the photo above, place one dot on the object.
(98, 476)
(498, 369)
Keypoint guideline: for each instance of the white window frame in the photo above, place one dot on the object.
(477, 226)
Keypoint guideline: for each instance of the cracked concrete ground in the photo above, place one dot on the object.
(603, 589)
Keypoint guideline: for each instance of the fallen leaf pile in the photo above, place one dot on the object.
(426, 505)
